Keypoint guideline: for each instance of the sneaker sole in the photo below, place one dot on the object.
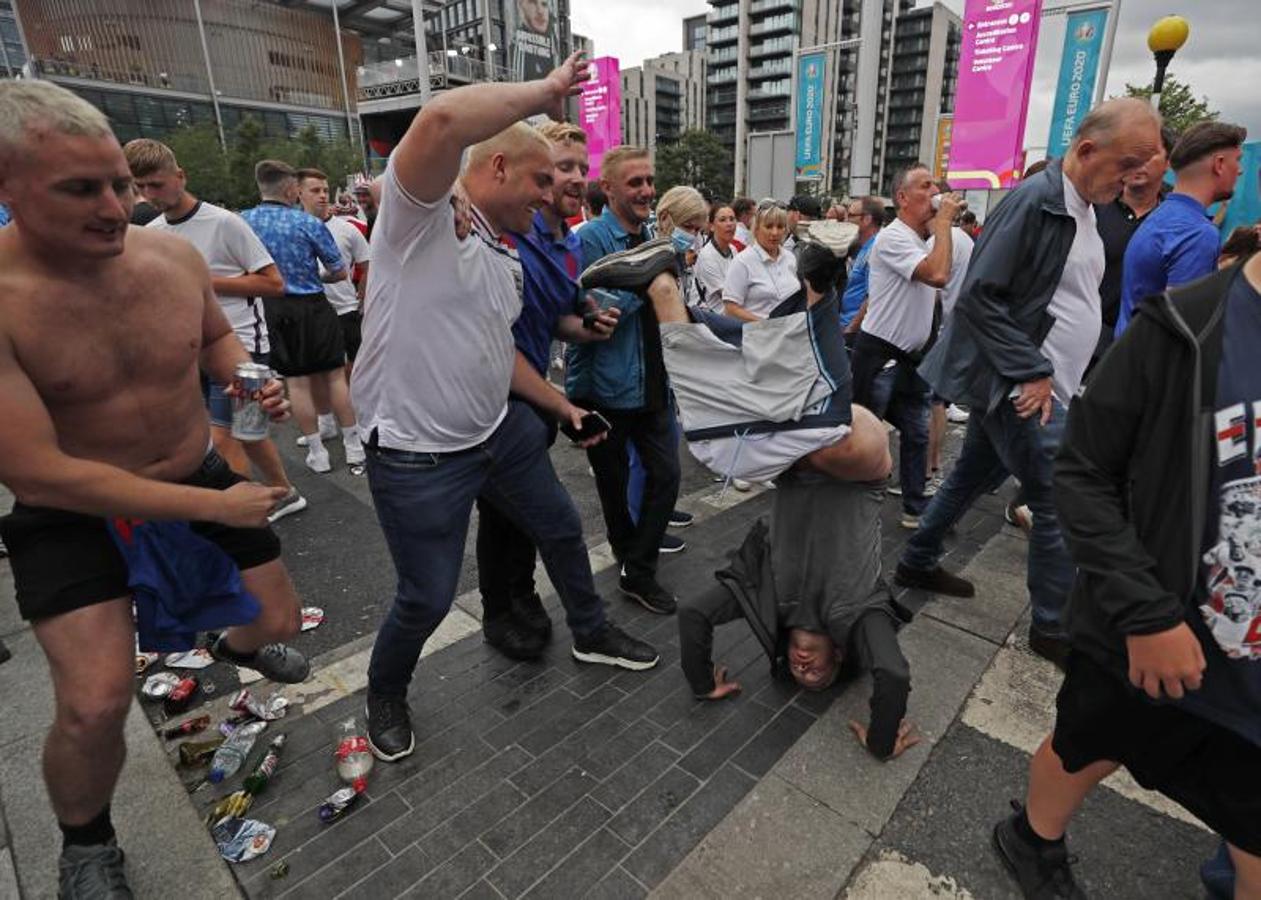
(687, 524)
(678, 549)
(387, 757)
(620, 662)
(320, 470)
(287, 510)
(646, 605)
(643, 253)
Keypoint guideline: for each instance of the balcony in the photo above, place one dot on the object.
(785, 24)
(721, 15)
(720, 36)
(770, 92)
(768, 6)
(770, 70)
(395, 78)
(769, 113)
(775, 47)
(722, 76)
(722, 98)
(717, 118)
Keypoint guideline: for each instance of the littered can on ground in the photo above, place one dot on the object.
(249, 419)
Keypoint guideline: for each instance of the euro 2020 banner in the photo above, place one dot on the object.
(1079, 66)
(810, 115)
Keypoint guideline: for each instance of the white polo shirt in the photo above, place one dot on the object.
(230, 248)
(711, 274)
(1075, 305)
(354, 250)
(899, 309)
(436, 362)
(759, 283)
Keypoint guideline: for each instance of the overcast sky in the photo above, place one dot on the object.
(1220, 60)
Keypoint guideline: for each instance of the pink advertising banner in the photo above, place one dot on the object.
(600, 110)
(995, 68)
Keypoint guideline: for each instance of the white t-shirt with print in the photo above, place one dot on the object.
(354, 249)
(899, 309)
(230, 248)
(436, 361)
(1075, 305)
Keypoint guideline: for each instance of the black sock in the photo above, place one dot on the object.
(98, 831)
(1029, 836)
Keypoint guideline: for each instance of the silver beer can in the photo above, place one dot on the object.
(249, 419)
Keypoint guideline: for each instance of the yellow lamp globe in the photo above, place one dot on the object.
(1168, 34)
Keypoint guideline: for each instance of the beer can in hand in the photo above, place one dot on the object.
(249, 419)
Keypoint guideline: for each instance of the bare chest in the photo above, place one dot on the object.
(79, 346)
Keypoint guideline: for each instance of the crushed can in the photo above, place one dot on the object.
(332, 809)
(240, 840)
(249, 419)
(181, 696)
(274, 707)
(160, 685)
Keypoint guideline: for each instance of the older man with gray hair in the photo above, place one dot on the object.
(1015, 351)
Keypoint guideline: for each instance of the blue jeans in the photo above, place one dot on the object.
(901, 398)
(423, 502)
(994, 446)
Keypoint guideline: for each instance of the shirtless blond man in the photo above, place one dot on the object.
(102, 331)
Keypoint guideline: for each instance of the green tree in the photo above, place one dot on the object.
(1178, 105)
(201, 157)
(698, 159)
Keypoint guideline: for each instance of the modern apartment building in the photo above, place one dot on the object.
(154, 65)
(921, 86)
(662, 98)
(752, 47)
(694, 28)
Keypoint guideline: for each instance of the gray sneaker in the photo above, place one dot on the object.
(276, 662)
(289, 504)
(632, 269)
(92, 873)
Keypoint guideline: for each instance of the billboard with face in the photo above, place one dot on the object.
(533, 37)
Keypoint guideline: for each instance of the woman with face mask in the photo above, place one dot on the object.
(763, 275)
(716, 256)
(681, 216)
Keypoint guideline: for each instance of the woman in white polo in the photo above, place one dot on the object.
(763, 275)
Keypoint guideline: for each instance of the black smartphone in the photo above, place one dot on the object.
(593, 424)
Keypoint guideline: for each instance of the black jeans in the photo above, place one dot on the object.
(506, 555)
(636, 546)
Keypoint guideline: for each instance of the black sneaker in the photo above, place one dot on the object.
(1051, 647)
(681, 519)
(614, 647)
(513, 638)
(648, 594)
(276, 662)
(672, 544)
(92, 872)
(530, 613)
(1043, 873)
(389, 727)
(634, 269)
(937, 580)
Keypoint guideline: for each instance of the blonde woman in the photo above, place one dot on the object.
(682, 214)
(763, 275)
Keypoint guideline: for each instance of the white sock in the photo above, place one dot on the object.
(350, 434)
(314, 443)
(327, 422)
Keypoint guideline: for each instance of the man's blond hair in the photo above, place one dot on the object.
(28, 104)
(563, 133)
(612, 161)
(515, 141)
(146, 156)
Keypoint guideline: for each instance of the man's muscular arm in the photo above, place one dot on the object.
(266, 282)
(34, 467)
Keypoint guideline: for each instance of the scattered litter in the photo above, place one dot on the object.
(242, 839)
(144, 661)
(189, 659)
(256, 782)
(312, 617)
(232, 752)
(248, 676)
(208, 688)
(160, 685)
(354, 756)
(279, 870)
(331, 809)
(181, 696)
(268, 710)
(233, 806)
(183, 729)
(196, 753)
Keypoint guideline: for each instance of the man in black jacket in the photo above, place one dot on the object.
(1023, 331)
(1159, 489)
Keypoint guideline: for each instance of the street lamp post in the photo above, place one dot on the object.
(1164, 40)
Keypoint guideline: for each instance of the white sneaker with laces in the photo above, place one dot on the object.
(317, 460)
(957, 414)
(354, 448)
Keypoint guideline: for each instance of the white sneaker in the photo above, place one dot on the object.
(354, 451)
(956, 414)
(317, 460)
(741, 485)
(328, 429)
(291, 503)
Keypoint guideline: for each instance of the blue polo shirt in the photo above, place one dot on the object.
(1175, 244)
(551, 268)
(298, 242)
(856, 287)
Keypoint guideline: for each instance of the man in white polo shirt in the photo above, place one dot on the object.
(905, 273)
(434, 371)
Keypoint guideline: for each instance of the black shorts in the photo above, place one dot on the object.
(1207, 769)
(63, 561)
(306, 337)
(352, 332)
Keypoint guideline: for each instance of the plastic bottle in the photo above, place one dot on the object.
(232, 752)
(257, 780)
(354, 757)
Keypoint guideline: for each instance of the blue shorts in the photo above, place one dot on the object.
(220, 404)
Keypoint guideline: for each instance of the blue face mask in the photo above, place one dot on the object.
(683, 241)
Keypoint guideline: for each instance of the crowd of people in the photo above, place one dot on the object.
(1093, 333)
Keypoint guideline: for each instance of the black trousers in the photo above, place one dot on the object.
(636, 546)
(506, 556)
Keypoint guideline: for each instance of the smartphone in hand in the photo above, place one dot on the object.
(593, 425)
